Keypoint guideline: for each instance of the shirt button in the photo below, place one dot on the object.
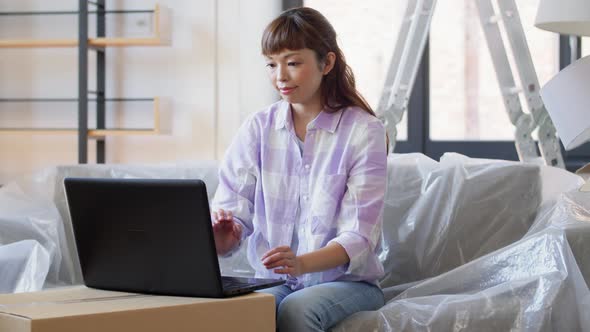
(305, 197)
(306, 166)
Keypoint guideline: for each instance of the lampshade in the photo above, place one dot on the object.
(570, 17)
(567, 99)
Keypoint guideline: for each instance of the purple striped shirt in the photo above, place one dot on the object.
(333, 191)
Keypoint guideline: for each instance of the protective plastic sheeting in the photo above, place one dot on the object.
(468, 244)
(537, 283)
(24, 267)
(406, 174)
(460, 210)
(532, 285)
(34, 207)
(27, 214)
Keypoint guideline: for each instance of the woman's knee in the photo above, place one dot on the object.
(296, 312)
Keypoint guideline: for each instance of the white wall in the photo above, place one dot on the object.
(212, 75)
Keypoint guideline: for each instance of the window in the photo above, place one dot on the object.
(465, 98)
(456, 103)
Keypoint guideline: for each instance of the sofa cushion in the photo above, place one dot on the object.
(406, 174)
(466, 208)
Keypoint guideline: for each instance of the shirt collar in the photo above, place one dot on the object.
(325, 120)
(283, 115)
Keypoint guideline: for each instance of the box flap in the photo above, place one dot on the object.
(58, 294)
(14, 323)
(29, 305)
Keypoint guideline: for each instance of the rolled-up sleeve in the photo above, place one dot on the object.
(360, 219)
(238, 174)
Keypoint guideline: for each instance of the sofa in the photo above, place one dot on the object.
(467, 243)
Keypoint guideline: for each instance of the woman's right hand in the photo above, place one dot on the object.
(226, 231)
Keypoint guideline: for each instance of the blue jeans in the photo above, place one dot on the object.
(319, 307)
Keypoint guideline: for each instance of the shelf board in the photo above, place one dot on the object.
(74, 12)
(121, 42)
(161, 37)
(24, 43)
(96, 42)
(62, 100)
(94, 133)
(38, 131)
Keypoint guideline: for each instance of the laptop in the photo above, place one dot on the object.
(149, 236)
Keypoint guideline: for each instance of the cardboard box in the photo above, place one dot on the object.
(80, 308)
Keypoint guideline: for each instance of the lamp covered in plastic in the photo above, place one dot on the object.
(569, 17)
(567, 99)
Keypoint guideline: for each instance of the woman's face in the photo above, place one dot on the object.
(297, 75)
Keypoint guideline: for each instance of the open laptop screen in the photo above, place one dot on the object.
(144, 235)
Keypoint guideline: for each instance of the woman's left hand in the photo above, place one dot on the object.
(284, 258)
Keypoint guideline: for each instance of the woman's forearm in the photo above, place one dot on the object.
(326, 258)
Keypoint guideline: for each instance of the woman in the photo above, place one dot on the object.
(304, 179)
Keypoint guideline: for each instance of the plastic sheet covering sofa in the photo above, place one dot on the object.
(28, 213)
(438, 217)
(34, 207)
(468, 244)
(24, 266)
(536, 283)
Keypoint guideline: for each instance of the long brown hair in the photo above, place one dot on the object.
(305, 27)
